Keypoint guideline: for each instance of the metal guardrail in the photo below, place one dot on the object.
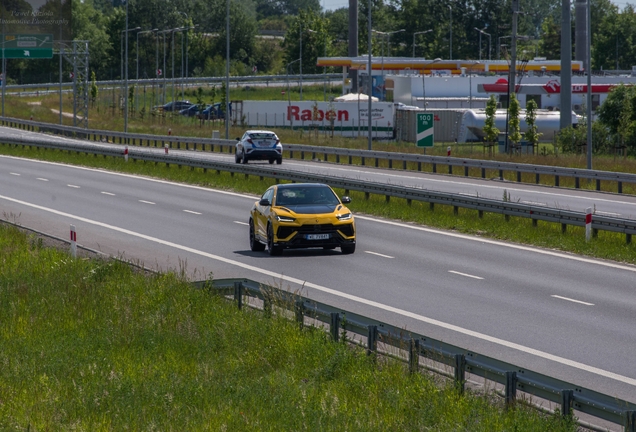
(186, 81)
(197, 160)
(514, 378)
(338, 154)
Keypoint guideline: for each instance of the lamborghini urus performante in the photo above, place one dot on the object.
(301, 215)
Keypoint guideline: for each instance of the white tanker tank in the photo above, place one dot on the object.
(473, 121)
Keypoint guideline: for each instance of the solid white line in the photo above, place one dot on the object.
(572, 300)
(108, 193)
(42, 179)
(73, 186)
(241, 223)
(15, 174)
(464, 274)
(534, 203)
(379, 254)
(452, 327)
(146, 202)
(607, 213)
(192, 212)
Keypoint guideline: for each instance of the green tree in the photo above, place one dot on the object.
(315, 40)
(550, 43)
(514, 110)
(490, 130)
(94, 88)
(532, 134)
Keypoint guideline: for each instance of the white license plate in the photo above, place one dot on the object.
(263, 144)
(317, 236)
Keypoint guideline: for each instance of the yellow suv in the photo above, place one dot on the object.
(301, 215)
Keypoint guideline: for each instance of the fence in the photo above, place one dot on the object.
(568, 396)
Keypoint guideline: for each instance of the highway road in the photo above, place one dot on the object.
(603, 203)
(555, 313)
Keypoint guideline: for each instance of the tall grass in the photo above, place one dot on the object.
(92, 345)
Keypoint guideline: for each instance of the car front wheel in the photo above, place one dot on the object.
(273, 250)
(348, 249)
(255, 245)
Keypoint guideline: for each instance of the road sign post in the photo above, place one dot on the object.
(424, 129)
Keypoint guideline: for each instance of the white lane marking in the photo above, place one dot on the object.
(379, 254)
(431, 321)
(464, 274)
(572, 300)
(15, 174)
(241, 223)
(108, 193)
(192, 212)
(607, 213)
(42, 179)
(73, 186)
(534, 203)
(146, 202)
(508, 245)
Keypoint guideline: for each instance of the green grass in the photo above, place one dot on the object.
(607, 245)
(93, 345)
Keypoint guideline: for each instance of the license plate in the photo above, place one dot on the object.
(317, 236)
(263, 144)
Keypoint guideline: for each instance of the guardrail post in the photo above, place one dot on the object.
(511, 388)
(480, 213)
(419, 166)
(465, 171)
(377, 162)
(337, 158)
(326, 156)
(566, 402)
(388, 198)
(483, 173)
(300, 313)
(564, 228)
(362, 160)
(372, 339)
(628, 238)
(455, 210)
(630, 421)
(450, 169)
(390, 163)
(536, 178)
(334, 328)
(598, 185)
(302, 155)
(556, 180)
(620, 187)
(434, 168)
(460, 371)
(404, 165)
(431, 206)
(313, 155)
(414, 355)
(577, 183)
(238, 294)
(366, 196)
(518, 176)
(500, 174)
(350, 160)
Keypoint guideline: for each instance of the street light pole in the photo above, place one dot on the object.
(370, 75)
(300, 24)
(424, 82)
(479, 42)
(470, 83)
(227, 69)
(450, 26)
(418, 33)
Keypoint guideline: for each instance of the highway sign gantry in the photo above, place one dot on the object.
(21, 46)
(424, 128)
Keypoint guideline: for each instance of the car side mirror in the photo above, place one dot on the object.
(264, 203)
(345, 199)
(238, 139)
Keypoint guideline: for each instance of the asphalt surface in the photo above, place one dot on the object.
(557, 314)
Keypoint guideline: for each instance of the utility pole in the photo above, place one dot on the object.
(566, 66)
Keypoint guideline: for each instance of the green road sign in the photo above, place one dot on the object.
(424, 128)
(27, 46)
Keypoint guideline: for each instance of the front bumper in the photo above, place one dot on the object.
(308, 236)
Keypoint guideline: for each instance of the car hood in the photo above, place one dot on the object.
(311, 208)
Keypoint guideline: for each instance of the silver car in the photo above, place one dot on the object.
(259, 145)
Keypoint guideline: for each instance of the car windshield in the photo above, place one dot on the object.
(263, 136)
(306, 196)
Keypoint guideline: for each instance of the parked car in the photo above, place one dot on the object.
(174, 105)
(191, 111)
(301, 215)
(259, 145)
(214, 112)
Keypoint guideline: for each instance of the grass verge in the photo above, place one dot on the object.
(92, 345)
(607, 245)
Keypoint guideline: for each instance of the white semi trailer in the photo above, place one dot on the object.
(473, 121)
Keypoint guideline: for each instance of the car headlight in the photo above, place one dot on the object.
(284, 218)
(344, 217)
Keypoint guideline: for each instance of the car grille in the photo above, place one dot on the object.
(284, 231)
